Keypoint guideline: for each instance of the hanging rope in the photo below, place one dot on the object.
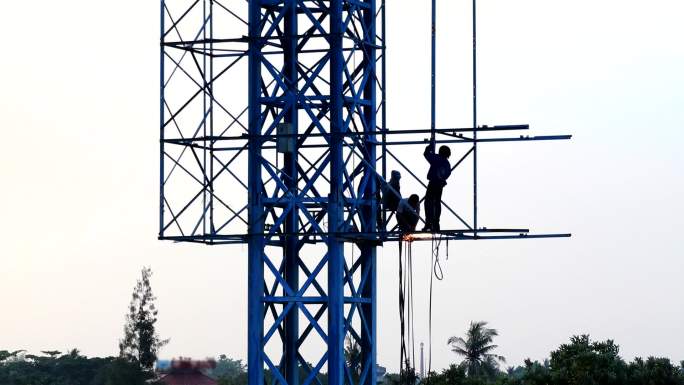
(402, 347)
(412, 322)
(406, 303)
(406, 309)
(438, 273)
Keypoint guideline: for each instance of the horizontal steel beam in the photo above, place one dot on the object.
(388, 237)
(464, 140)
(445, 131)
(311, 300)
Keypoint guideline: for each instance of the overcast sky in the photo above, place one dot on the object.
(79, 172)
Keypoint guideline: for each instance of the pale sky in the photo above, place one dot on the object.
(79, 170)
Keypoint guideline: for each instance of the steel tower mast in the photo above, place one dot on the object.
(312, 186)
(336, 103)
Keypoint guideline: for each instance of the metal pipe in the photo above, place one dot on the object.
(475, 116)
(442, 131)
(399, 143)
(336, 360)
(161, 120)
(291, 249)
(384, 105)
(255, 263)
(211, 120)
(433, 77)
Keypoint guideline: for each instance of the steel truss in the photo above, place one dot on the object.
(294, 171)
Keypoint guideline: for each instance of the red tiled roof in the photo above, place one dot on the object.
(187, 379)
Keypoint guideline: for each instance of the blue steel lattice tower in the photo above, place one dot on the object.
(311, 181)
(341, 110)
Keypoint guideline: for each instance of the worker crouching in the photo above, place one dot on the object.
(408, 214)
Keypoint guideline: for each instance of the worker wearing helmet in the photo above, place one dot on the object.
(439, 172)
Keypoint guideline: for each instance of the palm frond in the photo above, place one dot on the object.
(460, 351)
(456, 340)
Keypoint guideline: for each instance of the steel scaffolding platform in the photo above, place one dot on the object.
(294, 169)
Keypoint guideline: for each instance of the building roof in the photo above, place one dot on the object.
(193, 378)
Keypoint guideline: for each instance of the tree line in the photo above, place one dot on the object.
(133, 366)
(581, 361)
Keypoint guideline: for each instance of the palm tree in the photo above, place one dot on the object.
(352, 354)
(476, 350)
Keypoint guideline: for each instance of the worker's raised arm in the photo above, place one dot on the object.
(429, 153)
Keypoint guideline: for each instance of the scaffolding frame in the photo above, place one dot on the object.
(315, 146)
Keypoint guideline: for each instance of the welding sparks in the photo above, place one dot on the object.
(416, 237)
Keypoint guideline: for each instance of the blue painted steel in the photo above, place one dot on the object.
(368, 251)
(335, 211)
(255, 269)
(162, 73)
(475, 116)
(383, 86)
(433, 74)
(290, 359)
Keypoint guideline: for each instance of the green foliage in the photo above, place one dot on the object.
(586, 362)
(352, 355)
(140, 342)
(10, 356)
(533, 373)
(406, 376)
(68, 369)
(229, 371)
(580, 362)
(123, 372)
(583, 362)
(457, 375)
(654, 371)
(476, 349)
(453, 375)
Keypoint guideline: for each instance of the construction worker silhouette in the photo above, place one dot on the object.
(408, 213)
(392, 192)
(439, 172)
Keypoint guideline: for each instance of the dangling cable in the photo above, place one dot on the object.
(412, 322)
(402, 344)
(406, 310)
(438, 273)
(432, 261)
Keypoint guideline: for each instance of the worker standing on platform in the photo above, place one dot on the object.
(439, 172)
(408, 213)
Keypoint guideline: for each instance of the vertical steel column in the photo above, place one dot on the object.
(475, 117)
(384, 107)
(433, 75)
(335, 210)
(161, 118)
(368, 250)
(291, 249)
(212, 230)
(205, 85)
(255, 285)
